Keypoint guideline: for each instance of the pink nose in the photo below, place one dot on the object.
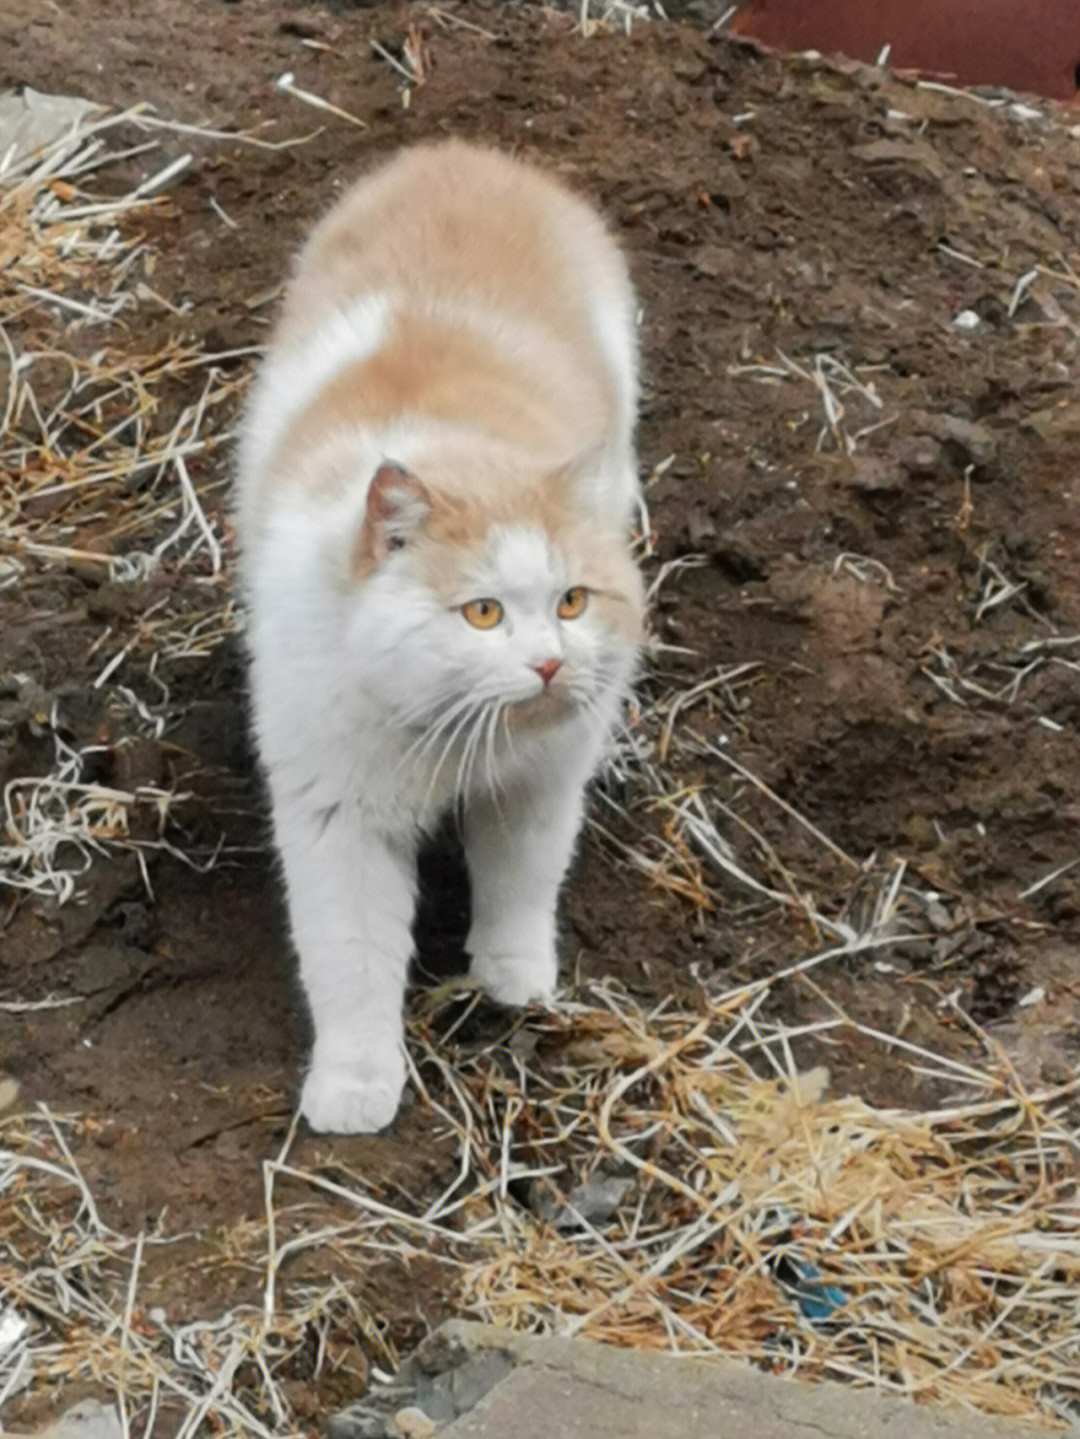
(548, 670)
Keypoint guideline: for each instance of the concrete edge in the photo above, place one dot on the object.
(594, 1391)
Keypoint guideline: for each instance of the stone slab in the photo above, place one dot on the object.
(578, 1390)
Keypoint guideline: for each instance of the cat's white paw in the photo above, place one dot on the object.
(516, 979)
(353, 1099)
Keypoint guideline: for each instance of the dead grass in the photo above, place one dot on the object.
(660, 1177)
(108, 465)
(626, 1175)
(98, 441)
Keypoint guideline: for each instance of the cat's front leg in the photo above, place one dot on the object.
(518, 851)
(352, 892)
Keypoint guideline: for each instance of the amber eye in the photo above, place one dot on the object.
(573, 603)
(483, 614)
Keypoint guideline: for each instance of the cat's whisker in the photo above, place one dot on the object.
(508, 736)
(476, 746)
(465, 715)
(618, 724)
(430, 736)
(586, 701)
(480, 743)
(461, 778)
(491, 766)
(429, 712)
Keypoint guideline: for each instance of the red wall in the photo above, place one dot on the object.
(1029, 45)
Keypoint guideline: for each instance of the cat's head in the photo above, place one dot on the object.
(517, 606)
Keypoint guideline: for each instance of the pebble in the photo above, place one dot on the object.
(411, 1423)
(88, 1420)
(353, 1424)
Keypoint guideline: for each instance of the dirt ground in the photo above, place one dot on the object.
(861, 310)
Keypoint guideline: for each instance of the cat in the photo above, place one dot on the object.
(436, 485)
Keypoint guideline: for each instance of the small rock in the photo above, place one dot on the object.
(31, 119)
(871, 472)
(445, 1396)
(714, 260)
(918, 454)
(976, 441)
(1059, 424)
(523, 1044)
(410, 1423)
(809, 1086)
(87, 1420)
(700, 527)
(591, 1202)
(937, 915)
(914, 155)
(9, 1091)
(355, 1424)
(13, 1329)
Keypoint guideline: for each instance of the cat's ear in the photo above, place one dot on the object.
(578, 475)
(593, 489)
(398, 505)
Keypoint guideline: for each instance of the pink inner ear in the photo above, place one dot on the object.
(397, 505)
(393, 488)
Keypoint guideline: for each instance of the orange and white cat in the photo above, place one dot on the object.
(436, 483)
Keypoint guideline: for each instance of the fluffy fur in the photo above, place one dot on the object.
(436, 482)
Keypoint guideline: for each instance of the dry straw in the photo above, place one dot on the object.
(655, 1176)
(98, 440)
(661, 1179)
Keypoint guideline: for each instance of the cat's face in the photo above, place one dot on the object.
(465, 621)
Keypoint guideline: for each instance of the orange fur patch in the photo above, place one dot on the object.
(489, 345)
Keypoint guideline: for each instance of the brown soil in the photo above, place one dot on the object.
(772, 209)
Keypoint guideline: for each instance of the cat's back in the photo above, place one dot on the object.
(457, 223)
(455, 305)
